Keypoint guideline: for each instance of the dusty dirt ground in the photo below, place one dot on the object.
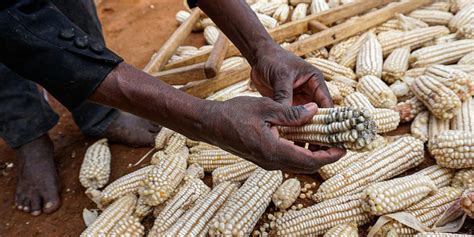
(134, 29)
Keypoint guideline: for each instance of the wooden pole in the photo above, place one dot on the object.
(214, 62)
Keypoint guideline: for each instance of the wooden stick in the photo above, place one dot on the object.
(316, 26)
(315, 41)
(182, 75)
(214, 62)
(160, 58)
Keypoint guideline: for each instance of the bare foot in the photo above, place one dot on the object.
(131, 130)
(37, 188)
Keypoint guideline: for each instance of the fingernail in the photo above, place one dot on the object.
(48, 205)
(310, 106)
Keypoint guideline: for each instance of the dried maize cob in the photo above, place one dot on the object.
(163, 178)
(339, 49)
(409, 109)
(155, 158)
(111, 215)
(236, 88)
(184, 199)
(370, 58)
(415, 72)
(386, 120)
(175, 144)
(331, 69)
(349, 58)
(173, 58)
(95, 168)
(120, 187)
(440, 6)
(396, 194)
(392, 24)
(186, 50)
(142, 209)
(464, 179)
(457, 5)
(334, 93)
(437, 126)
(396, 65)
(319, 218)
(206, 48)
(282, 13)
(463, 17)
(299, 12)
(267, 21)
(318, 6)
(409, 23)
(438, 234)
(378, 93)
(464, 119)
(329, 170)
(129, 226)
(359, 101)
(241, 212)
(456, 80)
(376, 143)
(467, 31)
(432, 17)
(383, 163)
(453, 149)
(318, 53)
(296, 2)
(467, 204)
(194, 171)
(419, 126)
(182, 16)
(343, 88)
(287, 193)
(235, 173)
(232, 63)
(446, 53)
(446, 38)
(203, 147)
(268, 8)
(256, 5)
(427, 211)
(401, 90)
(211, 33)
(467, 59)
(162, 138)
(191, 143)
(346, 230)
(213, 159)
(441, 176)
(439, 99)
(413, 38)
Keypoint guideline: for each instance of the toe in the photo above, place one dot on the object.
(19, 199)
(36, 206)
(26, 205)
(51, 202)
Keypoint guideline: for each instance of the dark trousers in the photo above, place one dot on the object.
(25, 114)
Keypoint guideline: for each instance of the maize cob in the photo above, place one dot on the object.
(173, 58)
(467, 204)
(456, 80)
(142, 209)
(370, 58)
(441, 176)
(191, 143)
(401, 90)
(467, 31)
(196, 221)
(446, 38)
(464, 119)
(155, 158)
(194, 171)
(184, 199)
(392, 24)
(427, 211)
(349, 58)
(163, 178)
(331, 69)
(339, 49)
(111, 215)
(452, 149)
(255, 6)
(344, 88)
(182, 16)
(186, 50)
(383, 163)
(282, 13)
(296, 2)
(457, 5)
(467, 68)
(95, 168)
(299, 12)
(318, 53)
(437, 126)
(438, 234)
(396, 194)
(213, 159)
(463, 17)
(378, 93)
(446, 53)
(334, 93)
(409, 109)
(409, 23)
(376, 143)
(318, 6)
(203, 147)
(419, 126)
(432, 17)
(346, 230)
(287, 193)
(413, 39)
(211, 33)
(120, 187)
(268, 8)
(439, 99)
(237, 172)
(232, 63)
(359, 101)
(128, 226)
(162, 138)
(206, 48)
(267, 21)
(396, 65)
(415, 72)
(330, 170)
(175, 144)
(241, 212)
(467, 59)
(440, 6)
(464, 179)
(386, 120)
(319, 218)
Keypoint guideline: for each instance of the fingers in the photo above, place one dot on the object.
(294, 115)
(319, 92)
(283, 91)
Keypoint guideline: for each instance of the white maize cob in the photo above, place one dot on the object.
(467, 31)
(432, 17)
(296, 2)
(338, 50)
(128, 226)
(95, 168)
(441, 176)
(318, 53)
(211, 33)
(232, 63)
(456, 80)
(401, 90)
(396, 65)
(186, 50)
(392, 24)
(175, 144)
(440, 6)
(370, 58)
(213, 159)
(206, 48)
(162, 138)
(446, 53)
(359, 101)
(191, 143)
(464, 179)
(463, 17)
(419, 126)
(467, 68)
(453, 149)
(299, 12)
(346, 230)
(409, 23)
(282, 13)
(331, 69)
(437, 126)
(334, 93)
(349, 58)
(383, 163)
(203, 147)
(318, 6)
(344, 88)
(269, 8)
(464, 119)
(438, 234)
(467, 59)
(194, 171)
(378, 93)
(237, 172)
(446, 38)
(457, 5)
(467, 204)
(287, 193)
(267, 21)
(415, 72)
(142, 209)
(409, 109)
(386, 119)
(155, 158)
(330, 170)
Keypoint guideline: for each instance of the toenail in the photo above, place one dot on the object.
(35, 213)
(25, 208)
(48, 205)
(19, 207)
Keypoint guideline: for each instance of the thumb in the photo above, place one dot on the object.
(295, 115)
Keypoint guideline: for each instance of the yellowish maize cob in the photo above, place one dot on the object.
(456, 80)
(142, 209)
(163, 178)
(175, 144)
(237, 172)
(413, 38)
(467, 204)
(213, 159)
(419, 126)
(319, 218)
(464, 119)
(438, 234)
(440, 6)
(453, 149)
(370, 58)
(409, 109)
(346, 230)
(267, 21)
(359, 101)
(467, 31)
(282, 13)
(441, 176)
(299, 12)
(396, 65)
(339, 49)
(446, 38)
(467, 59)
(383, 163)
(464, 179)
(95, 168)
(194, 171)
(378, 93)
(334, 93)
(330, 170)
(392, 24)
(344, 88)
(318, 6)
(111, 216)
(432, 17)
(162, 138)
(401, 90)
(331, 69)
(386, 119)
(409, 23)
(196, 221)
(439, 99)
(446, 53)
(184, 199)
(128, 226)
(287, 193)
(349, 57)
(211, 33)
(437, 126)
(463, 17)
